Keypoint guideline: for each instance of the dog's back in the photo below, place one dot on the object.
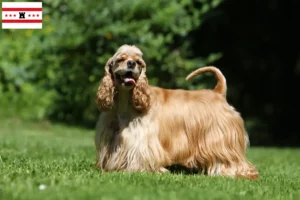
(199, 129)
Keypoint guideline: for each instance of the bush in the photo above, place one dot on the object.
(54, 72)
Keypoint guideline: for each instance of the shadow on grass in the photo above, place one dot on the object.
(179, 169)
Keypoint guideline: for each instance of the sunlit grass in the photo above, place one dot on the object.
(44, 161)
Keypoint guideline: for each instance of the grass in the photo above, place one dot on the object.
(62, 159)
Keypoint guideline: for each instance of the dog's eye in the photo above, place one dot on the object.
(120, 60)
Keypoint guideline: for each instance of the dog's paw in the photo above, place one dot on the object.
(163, 170)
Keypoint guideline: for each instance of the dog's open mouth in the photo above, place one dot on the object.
(127, 79)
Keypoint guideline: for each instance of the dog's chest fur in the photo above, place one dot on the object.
(135, 143)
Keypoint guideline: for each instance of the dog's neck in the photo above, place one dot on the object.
(124, 106)
(124, 101)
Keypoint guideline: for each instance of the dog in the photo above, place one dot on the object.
(143, 128)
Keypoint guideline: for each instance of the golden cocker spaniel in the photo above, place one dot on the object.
(147, 128)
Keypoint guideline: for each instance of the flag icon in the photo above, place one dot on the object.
(22, 15)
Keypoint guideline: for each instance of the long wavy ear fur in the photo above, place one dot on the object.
(141, 95)
(106, 90)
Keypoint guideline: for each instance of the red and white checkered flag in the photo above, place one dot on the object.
(22, 15)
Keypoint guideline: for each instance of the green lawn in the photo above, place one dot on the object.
(61, 159)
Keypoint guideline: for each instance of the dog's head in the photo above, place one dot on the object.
(126, 67)
(126, 70)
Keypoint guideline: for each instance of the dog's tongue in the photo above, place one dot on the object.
(129, 80)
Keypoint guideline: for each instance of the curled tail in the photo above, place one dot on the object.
(221, 84)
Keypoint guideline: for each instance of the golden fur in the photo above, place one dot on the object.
(146, 128)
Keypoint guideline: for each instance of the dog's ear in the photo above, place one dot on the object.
(106, 90)
(141, 95)
(141, 92)
(143, 64)
(108, 66)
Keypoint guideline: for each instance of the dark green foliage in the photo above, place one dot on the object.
(55, 72)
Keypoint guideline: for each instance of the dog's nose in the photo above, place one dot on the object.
(131, 64)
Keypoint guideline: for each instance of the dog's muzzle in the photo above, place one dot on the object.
(126, 77)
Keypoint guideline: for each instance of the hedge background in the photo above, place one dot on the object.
(53, 73)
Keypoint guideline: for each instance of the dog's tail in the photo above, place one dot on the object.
(221, 84)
